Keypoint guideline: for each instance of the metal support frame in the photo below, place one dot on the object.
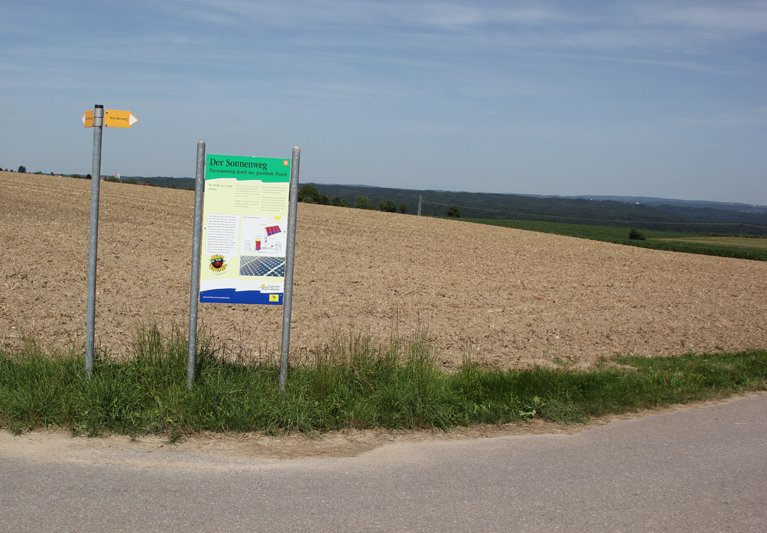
(194, 293)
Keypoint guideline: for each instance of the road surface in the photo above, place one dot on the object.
(693, 469)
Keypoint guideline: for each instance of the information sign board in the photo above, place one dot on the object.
(244, 230)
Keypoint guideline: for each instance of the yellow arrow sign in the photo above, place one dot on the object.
(118, 119)
(112, 119)
(88, 119)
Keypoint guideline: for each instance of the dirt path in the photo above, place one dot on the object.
(217, 450)
(508, 296)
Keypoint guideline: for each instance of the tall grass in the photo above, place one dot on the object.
(351, 382)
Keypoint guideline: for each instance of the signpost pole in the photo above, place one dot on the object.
(98, 122)
(291, 246)
(194, 292)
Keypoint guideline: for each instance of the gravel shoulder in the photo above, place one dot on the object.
(224, 451)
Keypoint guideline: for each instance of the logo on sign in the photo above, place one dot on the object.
(218, 263)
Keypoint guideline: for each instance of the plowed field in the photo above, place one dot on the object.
(507, 296)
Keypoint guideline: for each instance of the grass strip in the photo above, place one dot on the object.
(655, 240)
(350, 383)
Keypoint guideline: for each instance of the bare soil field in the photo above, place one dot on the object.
(506, 296)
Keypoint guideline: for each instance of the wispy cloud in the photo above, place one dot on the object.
(756, 116)
(729, 18)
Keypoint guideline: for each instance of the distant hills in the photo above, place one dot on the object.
(617, 211)
(652, 213)
(648, 200)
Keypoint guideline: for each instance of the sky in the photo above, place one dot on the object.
(638, 98)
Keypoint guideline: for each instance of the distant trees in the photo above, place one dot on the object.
(636, 235)
(454, 212)
(132, 181)
(362, 202)
(388, 206)
(309, 194)
(22, 170)
(339, 202)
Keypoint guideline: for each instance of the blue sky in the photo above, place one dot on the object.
(664, 99)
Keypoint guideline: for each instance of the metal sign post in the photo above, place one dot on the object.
(194, 293)
(93, 237)
(96, 119)
(289, 259)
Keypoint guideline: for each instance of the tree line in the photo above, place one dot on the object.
(310, 195)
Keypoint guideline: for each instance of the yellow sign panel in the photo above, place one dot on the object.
(88, 119)
(118, 119)
(112, 119)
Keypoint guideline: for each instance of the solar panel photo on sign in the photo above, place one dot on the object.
(262, 266)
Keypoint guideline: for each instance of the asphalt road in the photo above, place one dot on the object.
(697, 469)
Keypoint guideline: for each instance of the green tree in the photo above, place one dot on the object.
(22, 169)
(403, 208)
(132, 181)
(345, 202)
(388, 206)
(336, 201)
(454, 212)
(309, 194)
(325, 199)
(635, 235)
(362, 202)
